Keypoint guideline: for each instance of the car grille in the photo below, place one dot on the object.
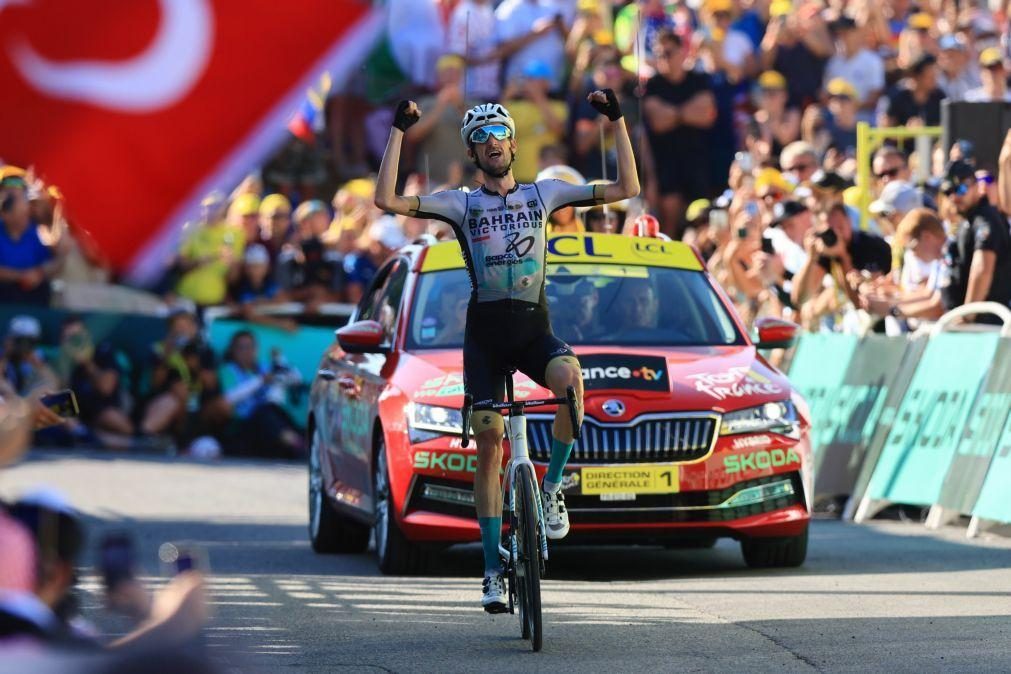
(668, 438)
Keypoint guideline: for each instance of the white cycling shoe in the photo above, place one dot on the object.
(556, 517)
(494, 599)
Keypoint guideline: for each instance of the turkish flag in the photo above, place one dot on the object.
(139, 108)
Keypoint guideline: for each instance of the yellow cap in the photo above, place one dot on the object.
(990, 57)
(54, 193)
(244, 204)
(780, 8)
(921, 21)
(272, 203)
(852, 196)
(713, 6)
(841, 87)
(363, 188)
(770, 178)
(696, 208)
(589, 5)
(771, 79)
(11, 171)
(450, 61)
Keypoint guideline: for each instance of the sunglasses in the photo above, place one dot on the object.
(890, 173)
(956, 190)
(797, 168)
(14, 181)
(481, 135)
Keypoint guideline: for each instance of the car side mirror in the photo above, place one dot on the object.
(362, 337)
(775, 333)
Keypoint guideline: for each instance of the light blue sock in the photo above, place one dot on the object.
(560, 452)
(491, 532)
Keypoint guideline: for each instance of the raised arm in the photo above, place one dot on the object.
(627, 185)
(386, 184)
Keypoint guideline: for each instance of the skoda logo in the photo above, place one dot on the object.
(614, 408)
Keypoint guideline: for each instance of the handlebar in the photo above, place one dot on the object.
(517, 407)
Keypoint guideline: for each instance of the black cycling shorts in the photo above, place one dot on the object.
(506, 335)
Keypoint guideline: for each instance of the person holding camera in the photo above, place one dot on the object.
(21, 363)
(848, 255)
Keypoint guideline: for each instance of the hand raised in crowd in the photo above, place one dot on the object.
(407, 115)
(451, 94)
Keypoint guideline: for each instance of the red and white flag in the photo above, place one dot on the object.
(138, 108)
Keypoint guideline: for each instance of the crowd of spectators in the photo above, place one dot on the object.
(744, 118)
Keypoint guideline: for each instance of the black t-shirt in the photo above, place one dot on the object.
(902, 107)
(868, 252)
(803, 71)
(683, 142)
(984, 228)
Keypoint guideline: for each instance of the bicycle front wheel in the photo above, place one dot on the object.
(528, 562)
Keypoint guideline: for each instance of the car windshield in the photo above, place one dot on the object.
(620, 305)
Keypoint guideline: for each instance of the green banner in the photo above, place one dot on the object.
(994, 502)
(979, 439)
(896, 393)
(851, 420)
(816, 372)
(918, 451)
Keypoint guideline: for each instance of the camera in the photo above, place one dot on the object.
(828, 237)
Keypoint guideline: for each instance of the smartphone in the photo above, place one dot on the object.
(767, 246)
(742, 233)
(179, 557)
(64, 403)
(116, 559)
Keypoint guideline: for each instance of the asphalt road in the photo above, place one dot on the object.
(886, 597)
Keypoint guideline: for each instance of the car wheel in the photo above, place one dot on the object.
(396, 554)
(329, 531)
(768, 553)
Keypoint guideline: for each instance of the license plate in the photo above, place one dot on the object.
(639, 479)
(617, 497)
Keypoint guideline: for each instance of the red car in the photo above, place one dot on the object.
(690, 434)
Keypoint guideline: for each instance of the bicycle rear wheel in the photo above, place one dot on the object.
(528, 561)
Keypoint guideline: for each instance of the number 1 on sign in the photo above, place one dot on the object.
(667, 475)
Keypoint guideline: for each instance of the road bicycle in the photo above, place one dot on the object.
(526, 543)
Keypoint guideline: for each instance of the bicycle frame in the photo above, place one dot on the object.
(519, 454)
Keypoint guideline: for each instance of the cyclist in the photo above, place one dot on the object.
(501, 228)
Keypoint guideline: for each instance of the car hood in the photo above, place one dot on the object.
(721, 378)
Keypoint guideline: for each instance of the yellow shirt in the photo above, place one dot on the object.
(208, 283)
(532, 134)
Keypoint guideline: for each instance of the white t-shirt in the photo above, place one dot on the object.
(865, 71)
(516, 18)
(917, 274)
(979, 95)
(473, 33)
(737, 47)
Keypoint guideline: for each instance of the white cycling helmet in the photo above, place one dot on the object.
(482, 115)
(563, 173)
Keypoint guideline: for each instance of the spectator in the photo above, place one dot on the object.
(207, 257)
(22, 364)
(255, 288)
(382, 239)
(97, 377)
(255, 394)
(297, 169)
(577, 321)
(244, 216)
(638, 313)
(308, 270)
(275, 224)
(540, 120)
(919, 102)
(173, 386)
(888, 165)
(532, 31)
(678, 107)
(958, 75)
(799, 161)
(437, 134)
(778, 124)
(994, 79)
(797, 45)
(837, 249)
(857, 65)
(979, 257)
(897, 198)
(473, 34)
(726, 48)
(790, 226)
(834, 131)
(26, 264)
(354, 208)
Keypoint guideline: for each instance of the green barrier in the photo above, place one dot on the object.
(817, 371)
(919, 448)
(302, 349)
(994, 502)
(979, 441)
(853, 417)
(911, 355)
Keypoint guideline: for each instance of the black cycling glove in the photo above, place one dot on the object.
(403, 119)
(609, 107)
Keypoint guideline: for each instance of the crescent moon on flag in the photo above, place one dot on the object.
(157, 78)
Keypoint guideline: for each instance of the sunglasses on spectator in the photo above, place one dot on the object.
(956, 190)
(667, 53)
(14, 181)
(984, 177)
(481, 135)
(889, 173)
(797, 168)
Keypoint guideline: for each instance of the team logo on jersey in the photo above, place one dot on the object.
(532, 203)
(517, 246)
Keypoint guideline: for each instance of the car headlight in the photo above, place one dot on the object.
(780, 417)
(435, 419)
